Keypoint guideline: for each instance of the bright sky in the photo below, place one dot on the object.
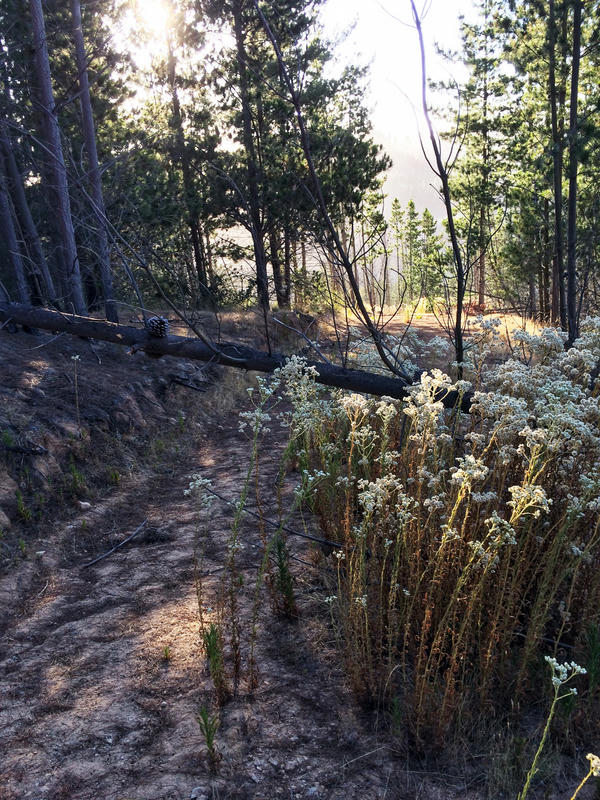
(392, 47)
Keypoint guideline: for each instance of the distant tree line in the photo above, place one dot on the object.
(526, 180)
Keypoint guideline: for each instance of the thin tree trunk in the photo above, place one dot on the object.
(485, 168)
(276, 265)
(304, 274)
(181, 154)
(532, 297)
(57, 163)
(287, 267)
(262, 282)
(12, 245)
(481, 261)
(95, 180)
(367, 268)
(443, 175)
(17, 192)
(547, 260)
(209, 257)
(540, 284)
(557, 162)
(572, 316)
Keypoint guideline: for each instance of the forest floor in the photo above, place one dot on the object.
(102, 668)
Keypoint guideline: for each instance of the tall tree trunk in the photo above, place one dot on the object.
(442, 173)
(481, 262)
(485, 155)
(367, 268)
(181, 155)
(17, 192)
(262, 282)
(532, 297)
(354, 259)
(547, 261)
(209, 257)
(95, 180)
(287, 266)
(10, 237)
(558, 290)
(57, 166)
(572, 317)
(304, 280)
(540, 284)
(276, 265)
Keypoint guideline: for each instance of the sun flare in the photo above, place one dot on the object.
(155, 16)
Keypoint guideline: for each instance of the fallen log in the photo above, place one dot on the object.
(227, 354)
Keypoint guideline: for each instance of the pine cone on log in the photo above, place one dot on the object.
(157, 326)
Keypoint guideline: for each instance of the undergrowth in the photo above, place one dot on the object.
(470, 543)
(466, 546)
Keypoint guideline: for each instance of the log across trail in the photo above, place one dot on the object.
(228, 354)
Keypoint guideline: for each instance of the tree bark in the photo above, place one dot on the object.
(95, 181)
(181, 154)
(57, 163)
(481, 262)
(228, 354)
(443, 176)
(17, 192)
(287, 267)
(558, 282)
(485, 157)
(547, 261)
(572, 317)
(10, 236)
(277, 272)
(262, 282)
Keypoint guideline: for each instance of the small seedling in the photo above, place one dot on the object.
(284, 582)
(22, 547)
(7, 439)
(209, 724)
(114, 476)
(23, 510)
(167, 654)
(213, 647)
(77, 479)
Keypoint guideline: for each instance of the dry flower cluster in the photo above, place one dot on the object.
(471, 542)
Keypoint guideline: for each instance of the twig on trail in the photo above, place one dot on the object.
(52, 339)
(189, 385)
(273, 524)
(94, 351)
(117, 546)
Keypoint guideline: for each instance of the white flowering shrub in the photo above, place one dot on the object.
(469, 541)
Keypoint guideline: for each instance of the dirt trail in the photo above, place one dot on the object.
(102, 672)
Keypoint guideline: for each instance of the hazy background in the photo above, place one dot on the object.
(384, 37)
